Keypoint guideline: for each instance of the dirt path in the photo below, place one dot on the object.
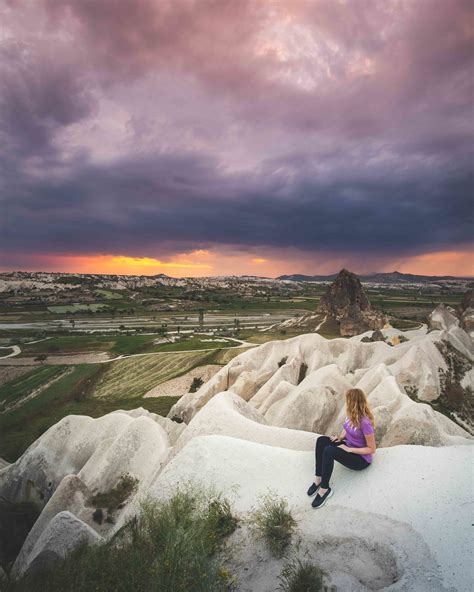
(16, 351)
(321, 323)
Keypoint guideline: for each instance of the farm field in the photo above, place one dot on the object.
(72, 393)
(133, 377)
(114, 344)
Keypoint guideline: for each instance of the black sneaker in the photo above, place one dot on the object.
(320, 500)
(313, 488)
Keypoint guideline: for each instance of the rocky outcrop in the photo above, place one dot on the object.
(347, 302)
(375, 536)
(346, 290)
(61, 536)
(376, 336)
(442, 317)
(412, 358)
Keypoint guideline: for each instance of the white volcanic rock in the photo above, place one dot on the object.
(417, 365)
(442, 317)
(138, 449)
(460, 340)
(97, 450)
(392, 514)
(3, 463)
(172, 428)
(229, 415)
(61, 536)
(271, 372)
(287, 373)
(71, 495)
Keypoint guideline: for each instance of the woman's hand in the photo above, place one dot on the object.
(334, 437)
(344, 447)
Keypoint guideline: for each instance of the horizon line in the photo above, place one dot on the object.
(463, 277)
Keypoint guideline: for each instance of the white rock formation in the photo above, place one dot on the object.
(267, 377)
(97, 450)
(403, 524)
(61, 535)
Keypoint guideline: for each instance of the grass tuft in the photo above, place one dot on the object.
(273, 523)
(170, 545)
(301, 576)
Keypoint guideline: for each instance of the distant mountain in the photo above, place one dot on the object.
(392, 277)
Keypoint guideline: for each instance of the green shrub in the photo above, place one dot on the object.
(116, 496)
(298, 576)
(220, 520)
(273, 523)
(169, 546)
(196, 384)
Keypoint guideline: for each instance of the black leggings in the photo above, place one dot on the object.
(327, 452)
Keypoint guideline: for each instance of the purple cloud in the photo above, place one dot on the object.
(146, 126)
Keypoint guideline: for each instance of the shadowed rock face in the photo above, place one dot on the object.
(346, 301)
(468, 300)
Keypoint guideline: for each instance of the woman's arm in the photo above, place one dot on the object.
(369, 449)
(341, 436)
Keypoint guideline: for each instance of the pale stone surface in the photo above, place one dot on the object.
(62, 534)
(373, 507)
(267, 377)
(71, 495)
(98, 450)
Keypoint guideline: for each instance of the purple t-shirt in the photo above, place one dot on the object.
(355, 437)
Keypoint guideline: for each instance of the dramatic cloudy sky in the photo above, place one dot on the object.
(206, 137)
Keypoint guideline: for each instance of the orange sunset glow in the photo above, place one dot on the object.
(201, 263)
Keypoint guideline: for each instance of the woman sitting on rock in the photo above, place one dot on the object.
(353, 448)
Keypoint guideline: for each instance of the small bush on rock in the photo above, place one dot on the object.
(298, 576)
(220, 520)
(196, 384)
(116, 496)
(273, 523)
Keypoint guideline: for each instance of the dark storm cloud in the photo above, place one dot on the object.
(358, 117)
(40, 93)
(182, 202)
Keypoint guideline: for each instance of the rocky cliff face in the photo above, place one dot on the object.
(344, 292)
(346, 301)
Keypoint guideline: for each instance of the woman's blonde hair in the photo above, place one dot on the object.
(357, 406)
